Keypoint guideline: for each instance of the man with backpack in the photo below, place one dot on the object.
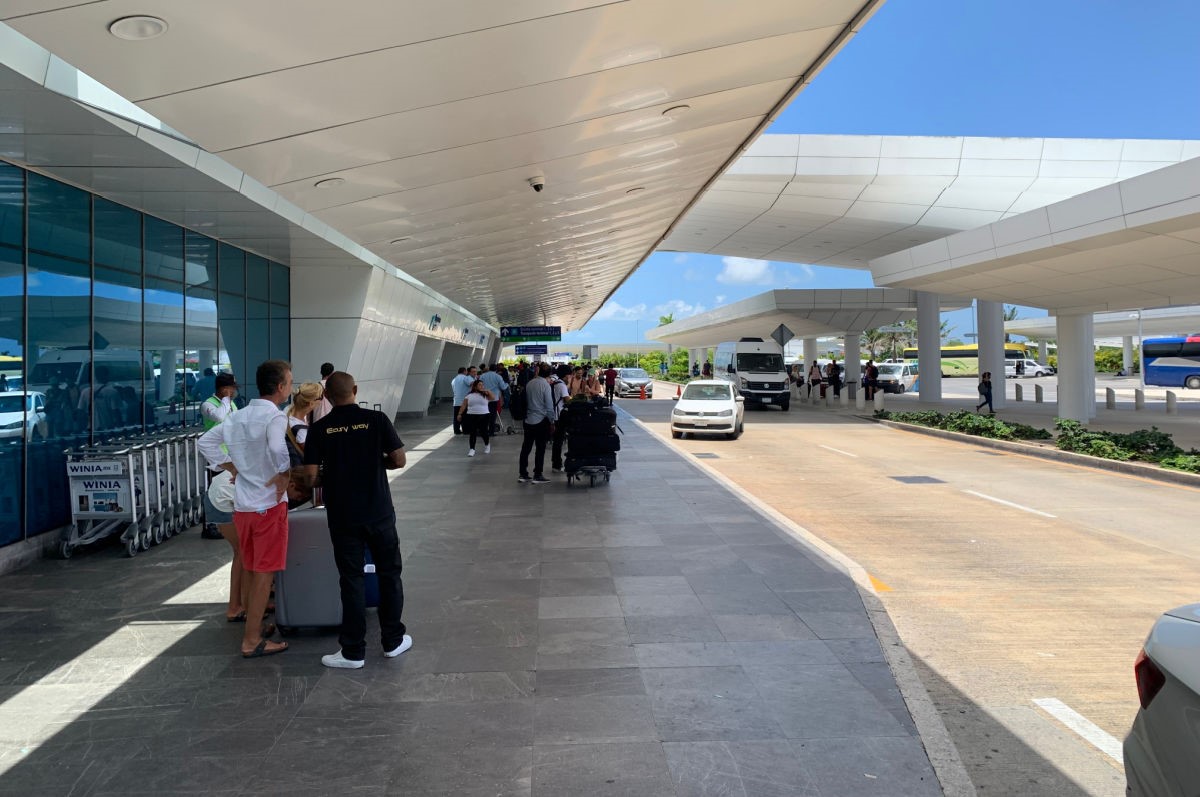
(539, 425)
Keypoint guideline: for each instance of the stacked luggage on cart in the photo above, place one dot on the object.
(592, 441)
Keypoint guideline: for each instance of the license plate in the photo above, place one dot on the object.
(766, 401)
(700, 423)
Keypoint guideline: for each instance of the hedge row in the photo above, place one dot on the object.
(969, 423)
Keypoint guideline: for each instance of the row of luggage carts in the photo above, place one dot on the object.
(147, 489)
(592, 440)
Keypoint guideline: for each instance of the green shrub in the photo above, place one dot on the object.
(1149, 445)
(968, 423)
(1184, 462)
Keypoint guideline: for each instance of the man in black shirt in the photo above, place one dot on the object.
(351, 448)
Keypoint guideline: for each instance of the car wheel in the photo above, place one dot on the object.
(1193, 382)
(785, 406)
(676, 435)
(902, 389)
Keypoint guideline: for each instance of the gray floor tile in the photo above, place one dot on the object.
(565, 587)
(485, 659)
(812, 701)
(575, 570)
(459, 725)
(823, 600)
(696, 628)
(685, 654)
(584, 606)
(856, 651)
(649, 567)
(738, 769)
(588, 657)
(590, 683)
(574, 720)
(662, 605)
(433, 768)
(744, 603)
(613, 770)
(492, 589)
(783, 652)
(838, 625)
(570, 635)
(652, 585)
(761, 627)
(871, 767)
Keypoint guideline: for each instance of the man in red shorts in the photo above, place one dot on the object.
(258, 459)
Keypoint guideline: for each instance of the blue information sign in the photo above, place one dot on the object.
(532, 348)
(520, 334)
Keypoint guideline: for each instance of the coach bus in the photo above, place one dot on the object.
(964, 360)
(1172, 362)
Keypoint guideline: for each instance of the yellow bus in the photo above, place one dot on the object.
(964, 360)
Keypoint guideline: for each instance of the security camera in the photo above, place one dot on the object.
(538, 183)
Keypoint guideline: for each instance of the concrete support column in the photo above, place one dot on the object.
(1043, 352)
(1076, 367)
(929, 346)
(852, 345)
(810, 354)
(205, 359)
(422, 372)
(1127, 354)
(691, 361)
(991, 348)
(168, 359)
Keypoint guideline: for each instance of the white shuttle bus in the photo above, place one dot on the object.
(755, 367)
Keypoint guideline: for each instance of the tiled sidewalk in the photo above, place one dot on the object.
(651, 636)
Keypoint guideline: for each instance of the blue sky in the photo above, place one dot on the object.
(1072, 68)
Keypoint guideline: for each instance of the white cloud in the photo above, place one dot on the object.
(616, 312)
(680, 259)
(746, 271)
(679, 309)
(719, 299)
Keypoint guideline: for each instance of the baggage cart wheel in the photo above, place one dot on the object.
(158, 533)
(131, 547)
(144, 539)
(65, 549)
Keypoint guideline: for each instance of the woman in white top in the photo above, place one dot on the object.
(814, 378)
(306, 398)
(475, 416)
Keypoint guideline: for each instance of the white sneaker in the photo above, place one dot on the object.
(487, 449)
(340, 662)
(471, 453)
(404, 645)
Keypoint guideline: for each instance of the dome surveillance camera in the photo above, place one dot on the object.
(537, 183)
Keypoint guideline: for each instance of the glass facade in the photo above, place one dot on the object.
(112, 323)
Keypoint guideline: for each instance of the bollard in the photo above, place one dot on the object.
(1139, 399)
(1171, 408)
(844, 399)
(1020, 392)
(860, 400)
(1037, 394)
(879, 400)
(1110, 398)
(829, 397)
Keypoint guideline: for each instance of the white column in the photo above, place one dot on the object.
(1043, 352)
(852, 344)
(991, 348)
(168, 359)
(1076, 367)
(929, 346)
(204, 359)
(421, 376)
(691, 362)
(1127, 354)
(810, 354)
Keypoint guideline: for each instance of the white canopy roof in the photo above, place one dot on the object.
(1163, 321)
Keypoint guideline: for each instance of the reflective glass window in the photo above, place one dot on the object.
(258, 337)
(281, 285)
(163, 329)
(281, 333)
(257, 278)
(200, 331)
(231, 309)
(15, 426)
(121, 372)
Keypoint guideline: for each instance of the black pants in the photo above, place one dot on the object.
(454, 411)
(560, 435)
(493, 416)
(349, 542)
(985, 398)
(478, 426)
(609, 392)
(535, 434)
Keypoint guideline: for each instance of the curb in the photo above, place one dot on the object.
(1178, 477)
(931, 729)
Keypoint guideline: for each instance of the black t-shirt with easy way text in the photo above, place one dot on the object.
(350, 444)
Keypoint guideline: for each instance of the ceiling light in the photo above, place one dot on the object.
(676, 111)
(635, 190)
(138, 28)
(330, 182)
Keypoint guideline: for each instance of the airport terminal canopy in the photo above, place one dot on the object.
(1162, 321)
(807, 313)
(415, 129)
(845, 200)
(1132, 244)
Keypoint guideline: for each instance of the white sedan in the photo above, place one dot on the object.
(1160, 751)
(708, 406)
(22, 414)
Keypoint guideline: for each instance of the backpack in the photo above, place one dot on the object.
(518, 405)
(294, 448)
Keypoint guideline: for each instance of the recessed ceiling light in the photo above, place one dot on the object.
(676, 110)
(635, 190)
(330, 182)
(399, 240)
(138, 28)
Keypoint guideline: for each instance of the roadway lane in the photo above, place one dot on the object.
(1046, 596)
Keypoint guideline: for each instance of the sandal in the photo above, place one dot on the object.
(261, 649)
(240, 617)
(268, 630)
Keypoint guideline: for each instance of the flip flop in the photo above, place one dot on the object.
(261, 650)
(240, 617)
(268, 630)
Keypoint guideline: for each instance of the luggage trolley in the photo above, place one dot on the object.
(192, 480)
(107, 496)
(592, 441)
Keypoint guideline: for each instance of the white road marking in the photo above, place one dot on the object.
(1009, 503)
(1093, 735)
(838, 450)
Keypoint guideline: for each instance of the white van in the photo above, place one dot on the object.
(755, 368)
(121, 367)
(1027, 367)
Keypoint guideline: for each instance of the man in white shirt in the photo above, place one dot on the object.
(250, 445)
(219, 405)
(460, 385)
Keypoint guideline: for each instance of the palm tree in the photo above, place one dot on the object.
(1010, 314)
(873, 339)
(663, 320)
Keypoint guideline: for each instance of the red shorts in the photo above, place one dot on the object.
(262, 537)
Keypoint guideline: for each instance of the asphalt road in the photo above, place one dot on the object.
(1010, 579)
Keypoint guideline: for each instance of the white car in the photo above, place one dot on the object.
(1027, 368)
(1160, 751)
(896, 377)
(23, 413)
(708, 406)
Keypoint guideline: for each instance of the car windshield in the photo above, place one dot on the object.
(890, 370)
(706, 392)
(11, 403)
(632, 373)
(760, 362)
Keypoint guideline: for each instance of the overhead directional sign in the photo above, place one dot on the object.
(521, 334)
(894, 329)
(532, 348)
(782, 335)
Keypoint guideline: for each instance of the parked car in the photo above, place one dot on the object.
(896, 377)
(631, 380)
(1160, 750)
(1015, 368)
(23, 413)
(708, 406)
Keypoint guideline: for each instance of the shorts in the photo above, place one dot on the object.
(263, 537)
(214, 515)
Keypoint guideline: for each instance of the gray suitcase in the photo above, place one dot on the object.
(307, 593)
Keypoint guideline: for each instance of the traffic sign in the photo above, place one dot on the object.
(533, 348)
(893, 329)
(782, 335)
(521, 334)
